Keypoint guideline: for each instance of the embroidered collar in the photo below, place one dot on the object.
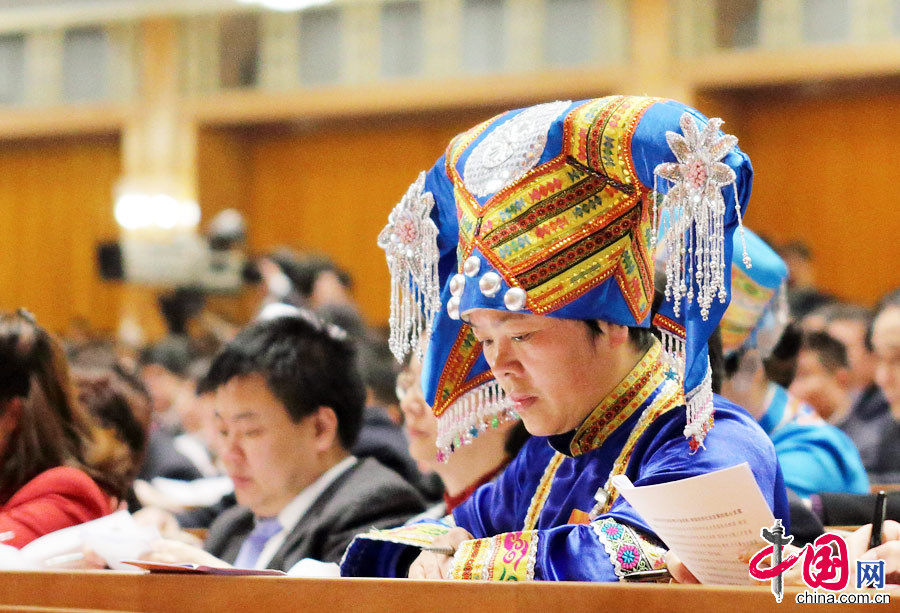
(621, 403)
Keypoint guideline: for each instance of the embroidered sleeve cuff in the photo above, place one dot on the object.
(387, 553)
(629, 550)
(505, 557)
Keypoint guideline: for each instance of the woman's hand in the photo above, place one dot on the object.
(432, 565)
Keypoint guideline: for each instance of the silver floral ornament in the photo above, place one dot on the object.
(694, 238)
(409, 241)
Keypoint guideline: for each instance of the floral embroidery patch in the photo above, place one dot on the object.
(628, 550)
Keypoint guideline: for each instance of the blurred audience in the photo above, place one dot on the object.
(815, 456)
(58, 468)
(804, 296)
(885, 343)
(823, 377)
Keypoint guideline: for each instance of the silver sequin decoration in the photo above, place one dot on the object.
(410, 244)
(511, 150)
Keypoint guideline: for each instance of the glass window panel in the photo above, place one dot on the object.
(896, 19)
(12, 69)
(401, 39)
(737, 23)
(483, 36)
(565, 45)
(826, 20)
(85, 64)
(320, 46)
(239, 51)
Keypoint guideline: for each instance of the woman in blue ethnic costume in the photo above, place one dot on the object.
(545, 218)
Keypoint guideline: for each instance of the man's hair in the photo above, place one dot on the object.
(830, 351)
(641, 338)
(306, 364)
(844, 311)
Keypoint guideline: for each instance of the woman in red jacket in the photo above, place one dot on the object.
(57, 468)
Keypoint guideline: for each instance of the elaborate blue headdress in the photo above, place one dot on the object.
(553, 210)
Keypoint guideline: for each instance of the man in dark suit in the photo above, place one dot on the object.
(289, 404)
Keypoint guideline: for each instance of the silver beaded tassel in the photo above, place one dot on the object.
(694, 226)
(410, 244)
(484, 407)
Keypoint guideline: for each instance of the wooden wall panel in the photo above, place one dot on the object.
(56, 204)
(826, 166)
(329, 189)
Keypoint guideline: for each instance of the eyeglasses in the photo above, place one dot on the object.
(405, 382)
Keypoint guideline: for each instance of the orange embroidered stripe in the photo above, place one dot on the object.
(462, 357)
(467, 569)
(542, 492)
(663, 322)
(621, 403)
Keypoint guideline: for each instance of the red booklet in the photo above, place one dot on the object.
(197, 569)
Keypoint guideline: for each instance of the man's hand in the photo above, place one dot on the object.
(431, 565)
(167, 551)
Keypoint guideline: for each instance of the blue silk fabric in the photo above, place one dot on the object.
(815, 456)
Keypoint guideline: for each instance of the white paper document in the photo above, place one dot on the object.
(711, 521)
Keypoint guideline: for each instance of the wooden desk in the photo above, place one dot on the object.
(107, 590)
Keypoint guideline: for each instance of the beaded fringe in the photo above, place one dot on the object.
(673, 352)
(700, 410)
(484, 407)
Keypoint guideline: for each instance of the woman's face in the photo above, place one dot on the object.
(419, 422)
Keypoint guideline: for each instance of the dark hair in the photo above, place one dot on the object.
(54, 429)
(303, 270)
(844, 311)
(830, 351)
(716, 360)
(306, 365)
(641, 338)
(172, 353)
(118, 400)
(781, 365)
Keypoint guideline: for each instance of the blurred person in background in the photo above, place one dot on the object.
(119, 401)
(823, 377)
(804, 296)
(869, 412)
(815, 456)
(470, 466)
(58, 468)
(885, 343)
